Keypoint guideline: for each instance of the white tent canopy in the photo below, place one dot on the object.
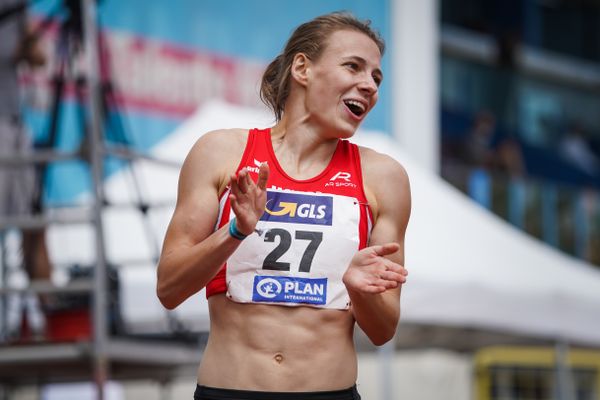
(467, 268)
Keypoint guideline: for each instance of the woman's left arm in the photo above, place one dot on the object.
(376, 273)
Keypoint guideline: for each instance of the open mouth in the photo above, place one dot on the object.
(357, 108)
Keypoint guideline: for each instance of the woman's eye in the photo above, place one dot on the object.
(353, 66)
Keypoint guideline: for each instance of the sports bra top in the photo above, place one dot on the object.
(305, 239)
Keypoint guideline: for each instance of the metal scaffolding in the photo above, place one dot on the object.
(104, 355)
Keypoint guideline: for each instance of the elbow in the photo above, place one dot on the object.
(167, 291)
(382, 337)
(167, 300)
(381, 334)
(169, 305)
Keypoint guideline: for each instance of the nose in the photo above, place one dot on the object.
(368, 85)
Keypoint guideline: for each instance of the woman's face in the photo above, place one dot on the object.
(342, 85)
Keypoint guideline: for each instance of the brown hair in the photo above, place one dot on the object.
(310, 39)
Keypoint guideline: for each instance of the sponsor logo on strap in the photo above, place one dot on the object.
(254, 168)
(341, 179)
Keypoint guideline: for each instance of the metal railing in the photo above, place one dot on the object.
(565, 217)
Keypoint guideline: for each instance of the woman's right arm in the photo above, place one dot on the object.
(193, 252)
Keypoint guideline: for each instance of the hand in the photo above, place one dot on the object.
(247, 198)
(370, 272)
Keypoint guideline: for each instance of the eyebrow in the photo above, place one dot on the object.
(364, 62)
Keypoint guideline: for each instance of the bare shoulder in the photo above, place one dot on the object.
(220, 143)
(214, 156)
(380, 169)
(386, 182)
(383, 177)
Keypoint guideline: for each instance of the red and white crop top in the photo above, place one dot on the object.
(308, 234)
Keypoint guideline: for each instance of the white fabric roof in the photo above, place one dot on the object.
(467, 268)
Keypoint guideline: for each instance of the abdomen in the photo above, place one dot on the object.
(278, 348)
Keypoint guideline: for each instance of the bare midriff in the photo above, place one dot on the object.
(278, 348)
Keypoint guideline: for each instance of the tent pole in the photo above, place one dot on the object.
(565, 389)
(100, 356)
(386, 357)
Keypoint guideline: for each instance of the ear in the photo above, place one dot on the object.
(300, 70)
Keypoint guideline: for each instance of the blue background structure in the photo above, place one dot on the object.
(254, 30)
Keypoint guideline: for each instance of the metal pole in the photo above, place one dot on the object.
(96, 153)
(565, 389)
(385, 355)
(3, 298)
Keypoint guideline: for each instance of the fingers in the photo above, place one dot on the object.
(394, 267)
(392, 276)
(234, 189)
(385, 282)
(378, 286)
(386, 249)
(244, 182)
(378, 279)
(263, 176)
(240, 183)
(245, 196)
(375, 289)
(248, 181)
(236, 192)
(389, 275)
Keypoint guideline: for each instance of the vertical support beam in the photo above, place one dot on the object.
(415, 66)
(581, 216)
(3, 298)
(96, 157)
(550, 218)
(565, 387)
(517, 202)
(385, 355)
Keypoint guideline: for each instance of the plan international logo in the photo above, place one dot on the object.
(298, 208)
(281, 289)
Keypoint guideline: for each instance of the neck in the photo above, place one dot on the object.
(301, 149)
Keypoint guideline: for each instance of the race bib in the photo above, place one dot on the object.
(304, 244)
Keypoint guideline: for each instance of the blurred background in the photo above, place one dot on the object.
(493, 108)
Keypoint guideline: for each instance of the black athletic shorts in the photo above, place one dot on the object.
(208, 393)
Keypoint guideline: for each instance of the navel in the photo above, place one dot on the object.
(278, 358)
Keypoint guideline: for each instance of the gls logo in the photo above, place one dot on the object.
(298, 208)
(341, 178)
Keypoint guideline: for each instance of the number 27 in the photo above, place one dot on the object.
(285, 242)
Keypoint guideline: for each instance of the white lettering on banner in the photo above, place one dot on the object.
(175, 78)
(162, 76)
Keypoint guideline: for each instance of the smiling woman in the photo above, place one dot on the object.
(296, 233)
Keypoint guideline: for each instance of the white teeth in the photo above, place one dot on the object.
(357, 104)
